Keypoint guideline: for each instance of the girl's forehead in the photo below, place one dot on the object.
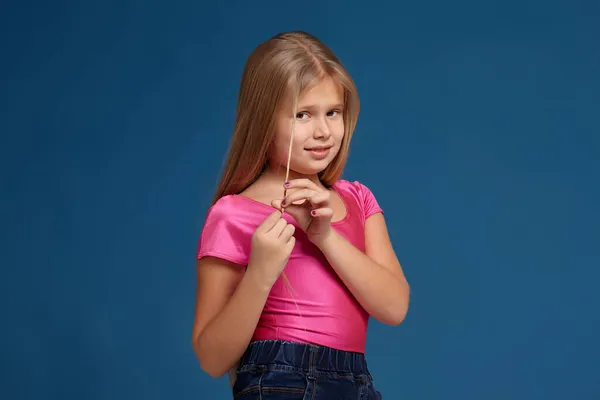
(326, 90)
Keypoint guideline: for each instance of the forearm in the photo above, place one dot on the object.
(381, 293)
(223, 341)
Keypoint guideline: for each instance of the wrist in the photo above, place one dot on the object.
(326, 242)
(257, 281)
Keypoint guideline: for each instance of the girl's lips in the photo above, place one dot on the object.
(319, 153)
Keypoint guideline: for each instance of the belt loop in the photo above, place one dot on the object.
(311, 363)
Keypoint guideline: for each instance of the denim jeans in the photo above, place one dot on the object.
(272, 370)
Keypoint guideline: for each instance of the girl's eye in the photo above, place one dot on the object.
(301, 114)
(334, 112)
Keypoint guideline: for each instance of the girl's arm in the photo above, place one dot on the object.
(229, 301)
(375, 277)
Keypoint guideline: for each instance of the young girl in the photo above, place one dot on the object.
(292, 262)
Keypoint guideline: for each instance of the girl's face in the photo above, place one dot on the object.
(319, 129)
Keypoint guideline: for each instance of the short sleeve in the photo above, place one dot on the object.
(369, 202)
(224, 237)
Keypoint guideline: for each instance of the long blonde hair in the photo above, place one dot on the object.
(287, 61)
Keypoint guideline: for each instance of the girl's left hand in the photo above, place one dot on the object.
(314, 214)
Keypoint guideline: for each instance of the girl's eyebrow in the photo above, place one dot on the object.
(314, 106)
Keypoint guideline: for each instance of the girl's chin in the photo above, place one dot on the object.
(309, 169)
(304, 165)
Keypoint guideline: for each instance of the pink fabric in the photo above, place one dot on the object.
(324, 312)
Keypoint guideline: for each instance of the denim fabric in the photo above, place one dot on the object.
(272, 370)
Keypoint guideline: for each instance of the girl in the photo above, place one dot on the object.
(298, 333)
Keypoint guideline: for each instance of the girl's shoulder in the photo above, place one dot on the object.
(359, 194)
(228, 228)
(235, 206)
(354, 187)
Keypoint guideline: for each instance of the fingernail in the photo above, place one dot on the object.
(287, 184)
(313, 212)
(283, 202)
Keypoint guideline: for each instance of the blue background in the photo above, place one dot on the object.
(479, 135)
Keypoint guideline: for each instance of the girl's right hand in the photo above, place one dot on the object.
(272, 244)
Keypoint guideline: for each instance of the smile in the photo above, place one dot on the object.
(319, 152)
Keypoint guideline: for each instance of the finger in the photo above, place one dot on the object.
(269, 222)
(278, 227)
(301, 183)
(276, 204)
(316, 199)
(287, 233)
(303, 194)
(322, 213)
(319, 200)
(290, 244)
(295, 211)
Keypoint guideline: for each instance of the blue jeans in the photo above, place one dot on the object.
(272, 370)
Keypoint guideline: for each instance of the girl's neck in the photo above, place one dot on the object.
(276, 174)
(269, 185)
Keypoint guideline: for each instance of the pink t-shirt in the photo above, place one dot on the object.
(318, 309)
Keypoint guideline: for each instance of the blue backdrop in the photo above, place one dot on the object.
(479, 135)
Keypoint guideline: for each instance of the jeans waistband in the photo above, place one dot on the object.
(308, 357)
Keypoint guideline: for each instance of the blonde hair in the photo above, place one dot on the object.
(288, 62)
(284, 65)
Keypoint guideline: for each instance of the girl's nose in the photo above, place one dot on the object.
(322, 130)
